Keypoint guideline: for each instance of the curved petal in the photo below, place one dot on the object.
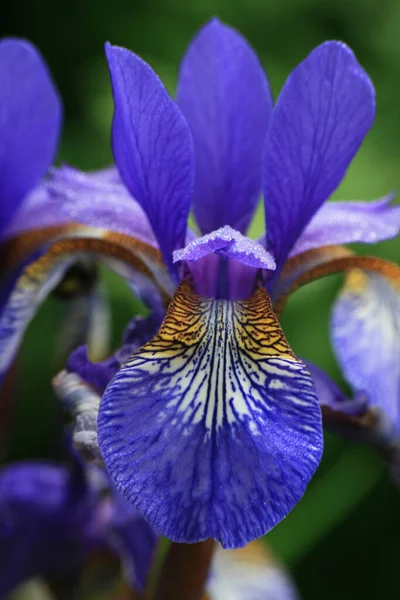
(212, 429)
(125, 255)
(228, 243)
(295, 272)
(225, 97)
(346, 222)
(225, 263)
(30, 123)
(152, 148)
(99, 199)
(37, 211)
(325, 109)
(365, 334)
(248, 574)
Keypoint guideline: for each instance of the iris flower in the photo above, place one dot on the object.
(212, 428)
(53, 518)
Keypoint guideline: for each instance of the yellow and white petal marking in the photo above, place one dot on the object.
(366, 337)
(248, 574)
(213, 428)
(43, 275)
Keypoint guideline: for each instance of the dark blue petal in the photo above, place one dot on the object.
(213, 428)
(135, 541)
(152, 148)
(325, 109)
(42, 520)
(225, 97)
(30, 119)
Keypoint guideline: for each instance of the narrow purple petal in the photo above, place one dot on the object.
(325, 109)
(225, 97)
(213, 428)
(346, 222)
(30, 120)
(364, 329)
(228, 243)
(152, 148)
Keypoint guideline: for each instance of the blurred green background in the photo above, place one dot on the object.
(342, 540)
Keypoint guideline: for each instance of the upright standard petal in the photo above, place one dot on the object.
(152, 148)
(325, 109)
(30, 119)
(225, 97)
(347, 222)
(365, 327)
(213, 428)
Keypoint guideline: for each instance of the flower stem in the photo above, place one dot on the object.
(185, 570)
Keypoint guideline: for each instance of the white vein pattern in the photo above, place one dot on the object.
(213, 428)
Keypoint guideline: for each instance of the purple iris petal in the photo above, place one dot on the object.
(213, 428)
(325, 109)
(38, 210)
(228, 243)
(365, 325)
(225, 97)
(30, 119)
(233, 271)
(346, 222)
(99, 200)
(42, 522)
(152, 148)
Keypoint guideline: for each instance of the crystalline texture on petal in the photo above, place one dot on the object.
(347, 222)
(228, 243)
(213, 428)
